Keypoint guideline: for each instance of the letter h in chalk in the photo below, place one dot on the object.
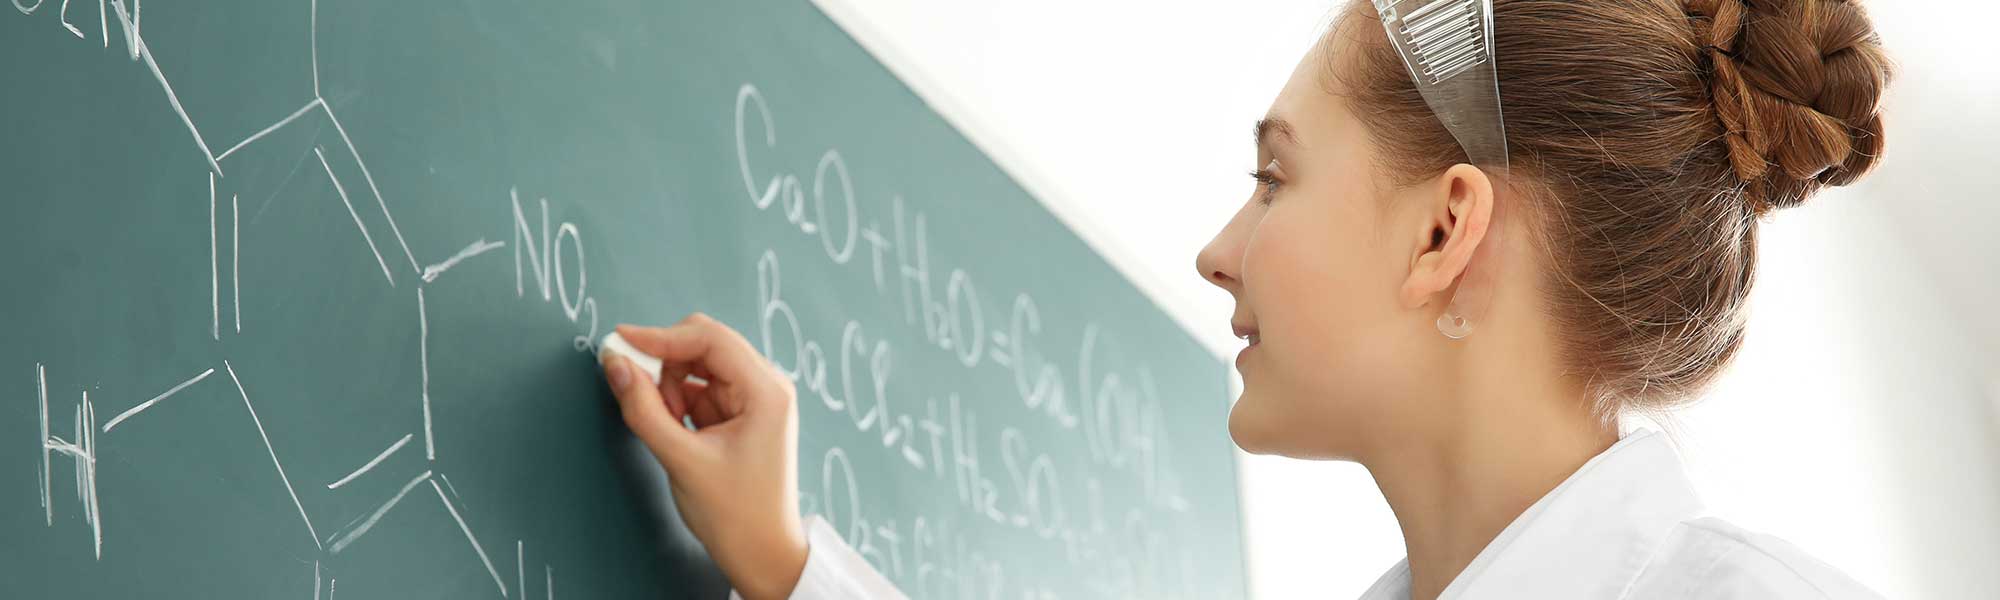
(82, 452)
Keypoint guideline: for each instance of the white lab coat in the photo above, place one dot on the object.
(834, 571)
(1626, 525)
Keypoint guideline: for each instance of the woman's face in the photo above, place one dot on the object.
(1315, 258)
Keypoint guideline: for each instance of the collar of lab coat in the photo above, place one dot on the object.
(1588, 538)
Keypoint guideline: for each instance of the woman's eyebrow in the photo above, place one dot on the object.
(1272, 130)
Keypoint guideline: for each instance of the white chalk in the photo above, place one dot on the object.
(613, 343)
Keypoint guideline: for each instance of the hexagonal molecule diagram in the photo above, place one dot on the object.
(71, 433)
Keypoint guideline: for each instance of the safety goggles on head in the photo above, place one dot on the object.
(1448, 47)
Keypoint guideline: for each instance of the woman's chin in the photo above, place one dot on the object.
(1248, 429)
(1259, 428)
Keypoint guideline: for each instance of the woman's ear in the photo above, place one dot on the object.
(1457, 213)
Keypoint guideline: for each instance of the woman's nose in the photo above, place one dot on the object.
(1216, 264)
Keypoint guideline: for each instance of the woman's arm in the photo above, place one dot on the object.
(735, 475)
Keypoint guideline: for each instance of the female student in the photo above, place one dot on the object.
(1461, 296)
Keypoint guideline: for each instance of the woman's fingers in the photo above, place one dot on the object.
(692, 399)
(692, 389)
(729, 374)
(705, 412)
(703, 343)
(677, 402)
(675, 395)
(645, 411)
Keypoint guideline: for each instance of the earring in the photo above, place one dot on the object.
(1454, 326)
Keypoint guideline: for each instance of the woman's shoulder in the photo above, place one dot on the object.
(1708, 557)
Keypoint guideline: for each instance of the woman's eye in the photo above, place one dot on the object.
(1268, 181)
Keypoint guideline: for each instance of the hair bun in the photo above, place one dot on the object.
(1796, 86)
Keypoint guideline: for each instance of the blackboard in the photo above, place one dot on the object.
(301, 297)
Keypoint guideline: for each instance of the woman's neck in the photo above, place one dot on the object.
(1487, 455)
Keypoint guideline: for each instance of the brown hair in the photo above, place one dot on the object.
(1649, 137)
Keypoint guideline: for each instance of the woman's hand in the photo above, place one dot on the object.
(735, 476)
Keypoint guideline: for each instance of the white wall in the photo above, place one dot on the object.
(1860, 421)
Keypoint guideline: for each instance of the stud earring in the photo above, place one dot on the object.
(1453, 325)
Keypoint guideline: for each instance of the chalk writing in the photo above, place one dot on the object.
(83, 448)
(1050, 466)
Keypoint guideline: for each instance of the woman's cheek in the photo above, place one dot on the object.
(1256, 420)
(1296, 292)
(1320, 311)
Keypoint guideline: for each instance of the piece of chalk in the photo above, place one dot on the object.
(615, 344)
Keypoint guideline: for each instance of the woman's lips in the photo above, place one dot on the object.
(1247, 333)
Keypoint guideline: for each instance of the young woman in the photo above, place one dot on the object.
(1469, 335)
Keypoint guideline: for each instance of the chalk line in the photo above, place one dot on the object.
(296, 165)
(357, 216)
(139, 44)
(42, 397)
(447, 485)
(235, 262)
(214, 278)
(87, 434)
(76, 424)
(314, 20)
(63, 16)
(424, 366)
(274, 127)
(371, 464)
(156, 399)
(370, 178)
(274, 452)
(377, 516)
(475, 249)
(125, 27)
(469, 537)
(58, 444)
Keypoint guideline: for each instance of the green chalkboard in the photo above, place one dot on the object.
(300, 299)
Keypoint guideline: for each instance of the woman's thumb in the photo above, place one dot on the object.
(643, 408)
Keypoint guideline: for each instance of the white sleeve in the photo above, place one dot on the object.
(834, 571)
